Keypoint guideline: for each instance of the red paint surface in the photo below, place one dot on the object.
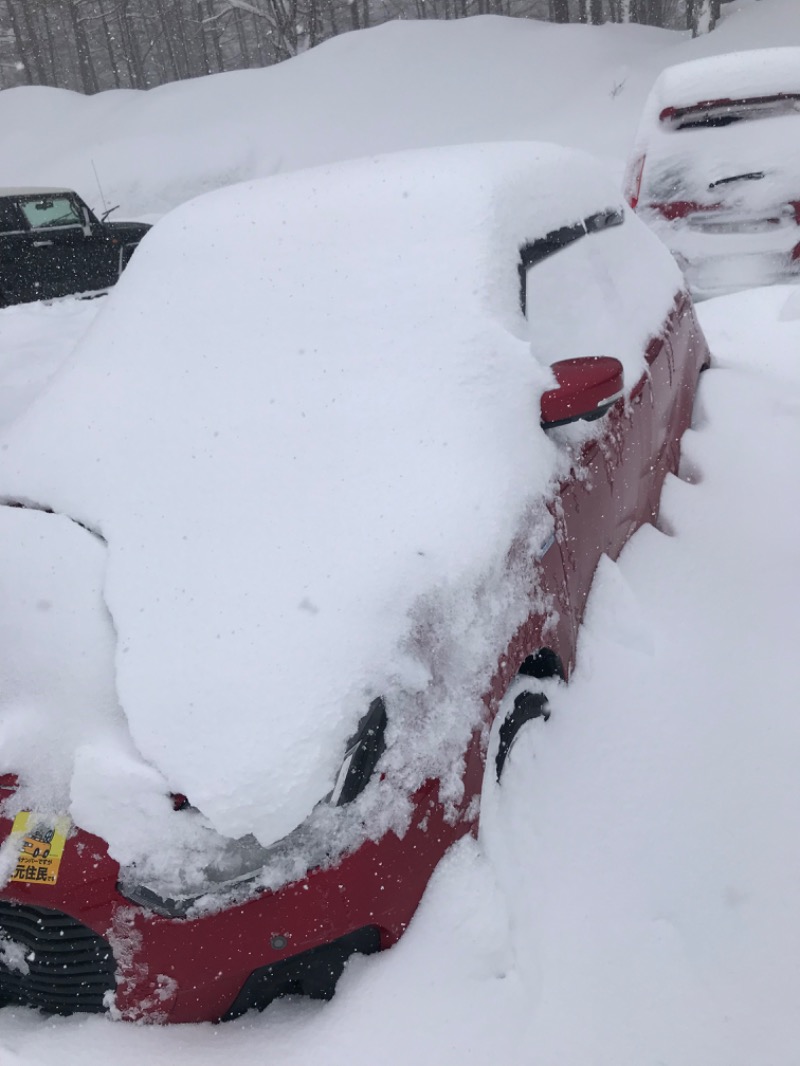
(182, 970)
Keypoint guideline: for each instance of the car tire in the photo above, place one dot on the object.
(527, 707)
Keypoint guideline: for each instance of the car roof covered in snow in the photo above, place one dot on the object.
(309, 407)
(759, 73)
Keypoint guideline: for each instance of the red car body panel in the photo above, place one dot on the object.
(192, 969)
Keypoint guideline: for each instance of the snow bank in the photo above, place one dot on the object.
(402, 85)
(35, 339)
(646, 843)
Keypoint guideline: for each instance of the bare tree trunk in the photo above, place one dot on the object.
(702, 16)
(85, 61)
(133, 51)
(241, 35)
(22, 52)
(32, 44)
(166, 39)
(52, 51)
(108, 42)
(215, 40)
(559, 10)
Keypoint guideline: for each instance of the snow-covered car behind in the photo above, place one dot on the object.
(715, 168)
(323, 488)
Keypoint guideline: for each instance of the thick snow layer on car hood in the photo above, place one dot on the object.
(309, 403)
(734, 76)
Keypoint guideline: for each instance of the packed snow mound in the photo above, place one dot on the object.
(404, 84)
(310, 402)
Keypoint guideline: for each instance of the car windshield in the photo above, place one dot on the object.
(51, 211)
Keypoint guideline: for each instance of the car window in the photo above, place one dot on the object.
(602, 294)
(716, 113)
(556, 240)
(51, 211)
(10, 217)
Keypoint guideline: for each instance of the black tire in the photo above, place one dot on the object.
(527, 706)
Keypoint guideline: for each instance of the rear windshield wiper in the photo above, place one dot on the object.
(752, 175)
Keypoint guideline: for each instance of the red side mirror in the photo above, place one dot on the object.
(587, 387)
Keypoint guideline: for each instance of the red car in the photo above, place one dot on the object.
(574, 279)
(715, 169)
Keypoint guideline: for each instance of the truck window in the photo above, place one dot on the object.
(51, 211)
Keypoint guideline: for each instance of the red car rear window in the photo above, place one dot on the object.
(710, 113)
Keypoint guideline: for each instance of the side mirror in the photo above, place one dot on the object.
(587, 387)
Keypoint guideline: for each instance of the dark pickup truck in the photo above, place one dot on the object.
(51, 244)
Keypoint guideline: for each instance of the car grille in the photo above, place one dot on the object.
(50, 961)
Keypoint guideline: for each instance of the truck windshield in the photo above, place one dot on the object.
(51, 211)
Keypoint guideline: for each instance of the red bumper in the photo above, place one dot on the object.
(193, 969)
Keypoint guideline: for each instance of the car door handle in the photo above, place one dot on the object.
(43, 244)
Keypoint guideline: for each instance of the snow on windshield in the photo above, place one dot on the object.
(305, 418)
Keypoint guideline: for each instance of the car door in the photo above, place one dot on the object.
(17, 274)
(66, 254)
(586, 297)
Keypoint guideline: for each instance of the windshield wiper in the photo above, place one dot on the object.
(753, 175)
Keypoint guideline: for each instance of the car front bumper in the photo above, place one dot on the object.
(218, 964)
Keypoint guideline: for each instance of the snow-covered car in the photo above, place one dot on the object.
(52, 244)
(715, 168)
(295, 545)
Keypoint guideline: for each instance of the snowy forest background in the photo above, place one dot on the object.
(92, 45)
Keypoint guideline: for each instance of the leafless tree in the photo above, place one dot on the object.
(90, 45)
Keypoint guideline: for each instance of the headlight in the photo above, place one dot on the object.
(236, 863)
(239, 862)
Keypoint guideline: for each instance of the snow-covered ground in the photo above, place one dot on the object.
(633, 896)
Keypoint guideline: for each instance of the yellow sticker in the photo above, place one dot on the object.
(42, 846)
